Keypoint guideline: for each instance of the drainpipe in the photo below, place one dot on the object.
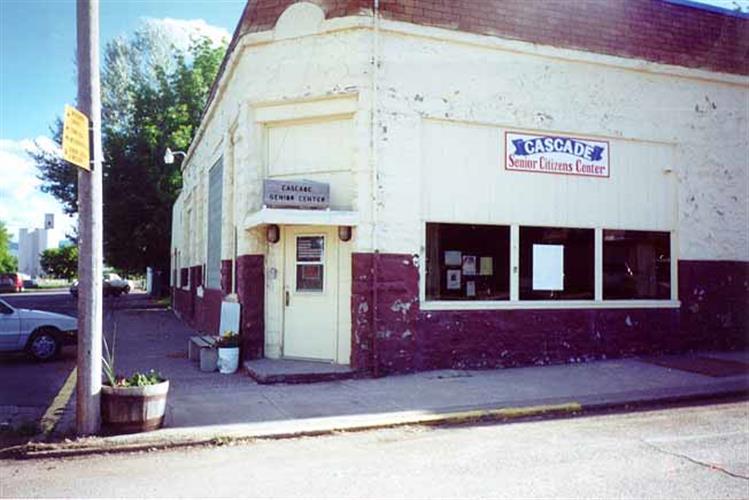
(374, 186)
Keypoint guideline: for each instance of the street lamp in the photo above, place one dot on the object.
(169, 155)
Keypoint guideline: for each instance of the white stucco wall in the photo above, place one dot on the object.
(655, 117)
(288, 84)
(268, 73)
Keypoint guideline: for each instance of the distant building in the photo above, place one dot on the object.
(31, 244)
(14, 249)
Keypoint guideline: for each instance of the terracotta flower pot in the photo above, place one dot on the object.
(127, 410)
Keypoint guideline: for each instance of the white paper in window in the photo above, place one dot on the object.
(469, 265)
(548, 267)
(453, 279)
(452, 258)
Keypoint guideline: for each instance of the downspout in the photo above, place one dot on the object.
(375, 189)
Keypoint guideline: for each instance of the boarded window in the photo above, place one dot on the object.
(215, 194)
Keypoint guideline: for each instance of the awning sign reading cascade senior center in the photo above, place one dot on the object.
(555, 154)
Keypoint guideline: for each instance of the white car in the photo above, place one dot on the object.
(40, 333)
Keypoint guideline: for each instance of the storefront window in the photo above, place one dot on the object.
(467, 262)
(310, 251)
(557, 263)
(636, 265)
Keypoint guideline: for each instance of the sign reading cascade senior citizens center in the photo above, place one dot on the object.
(555, 154)
(296, 194)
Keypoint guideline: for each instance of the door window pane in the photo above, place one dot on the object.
(467, 262)
(636, 265)
(556, 263)
(310, 253)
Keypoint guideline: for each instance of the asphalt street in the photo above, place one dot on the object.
(691, 452)
(29, 387)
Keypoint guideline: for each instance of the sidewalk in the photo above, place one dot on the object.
(213, 408)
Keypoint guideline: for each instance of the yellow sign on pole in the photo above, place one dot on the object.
(75, 148)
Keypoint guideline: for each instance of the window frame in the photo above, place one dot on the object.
(515, 303)
(477, 276)
(322, 262)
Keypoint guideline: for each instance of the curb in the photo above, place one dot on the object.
(253, 432)
(222, 435)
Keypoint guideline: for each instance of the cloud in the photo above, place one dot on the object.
(182, 31)
(22, 203)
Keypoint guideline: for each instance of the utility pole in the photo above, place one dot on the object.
(90, 234)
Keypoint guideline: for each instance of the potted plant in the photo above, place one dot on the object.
(131, 404)
(228, 352)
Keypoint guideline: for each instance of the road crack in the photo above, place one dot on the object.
(695, 461)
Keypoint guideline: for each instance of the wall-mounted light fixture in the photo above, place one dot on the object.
(272, 233)
(169, 155)
(344, 233)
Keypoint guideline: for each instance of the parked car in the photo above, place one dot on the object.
(31, 282)
(11, 282)
(117, 284)
(113, 286)
(39, 333)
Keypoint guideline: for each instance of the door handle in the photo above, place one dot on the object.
(286, 300)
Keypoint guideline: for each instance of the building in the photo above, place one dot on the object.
(31, 244)
(507, 182)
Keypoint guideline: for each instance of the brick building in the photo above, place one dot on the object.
(402, 185)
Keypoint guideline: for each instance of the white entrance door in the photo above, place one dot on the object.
(310, 293)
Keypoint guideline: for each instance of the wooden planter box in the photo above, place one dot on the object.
(126, 410)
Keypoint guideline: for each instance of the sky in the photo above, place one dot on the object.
(37, 79)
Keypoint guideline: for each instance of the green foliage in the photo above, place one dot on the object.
(153, 96)
(140, 379)
(8, 263)
(60, 262)
(59, 178)
(137, 379)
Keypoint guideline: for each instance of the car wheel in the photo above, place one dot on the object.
(44, 345)
(126, 289)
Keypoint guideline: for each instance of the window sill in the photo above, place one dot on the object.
(442, 305)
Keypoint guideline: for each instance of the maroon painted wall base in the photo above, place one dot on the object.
(392, 335)
(251, 292)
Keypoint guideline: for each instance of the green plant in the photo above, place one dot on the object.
(140, 379)
(228, 339)
(137, 379)
(107, 360)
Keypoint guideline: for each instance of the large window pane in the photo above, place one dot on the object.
(467, 262)
(556, 263)
(636, 265)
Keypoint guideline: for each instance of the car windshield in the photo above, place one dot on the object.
(5, 307)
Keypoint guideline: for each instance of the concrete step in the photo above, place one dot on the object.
(291, 371)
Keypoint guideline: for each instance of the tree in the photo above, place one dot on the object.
(60, 262)
(8, 263)
(153, 96)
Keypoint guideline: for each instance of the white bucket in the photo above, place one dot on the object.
(228, 359)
